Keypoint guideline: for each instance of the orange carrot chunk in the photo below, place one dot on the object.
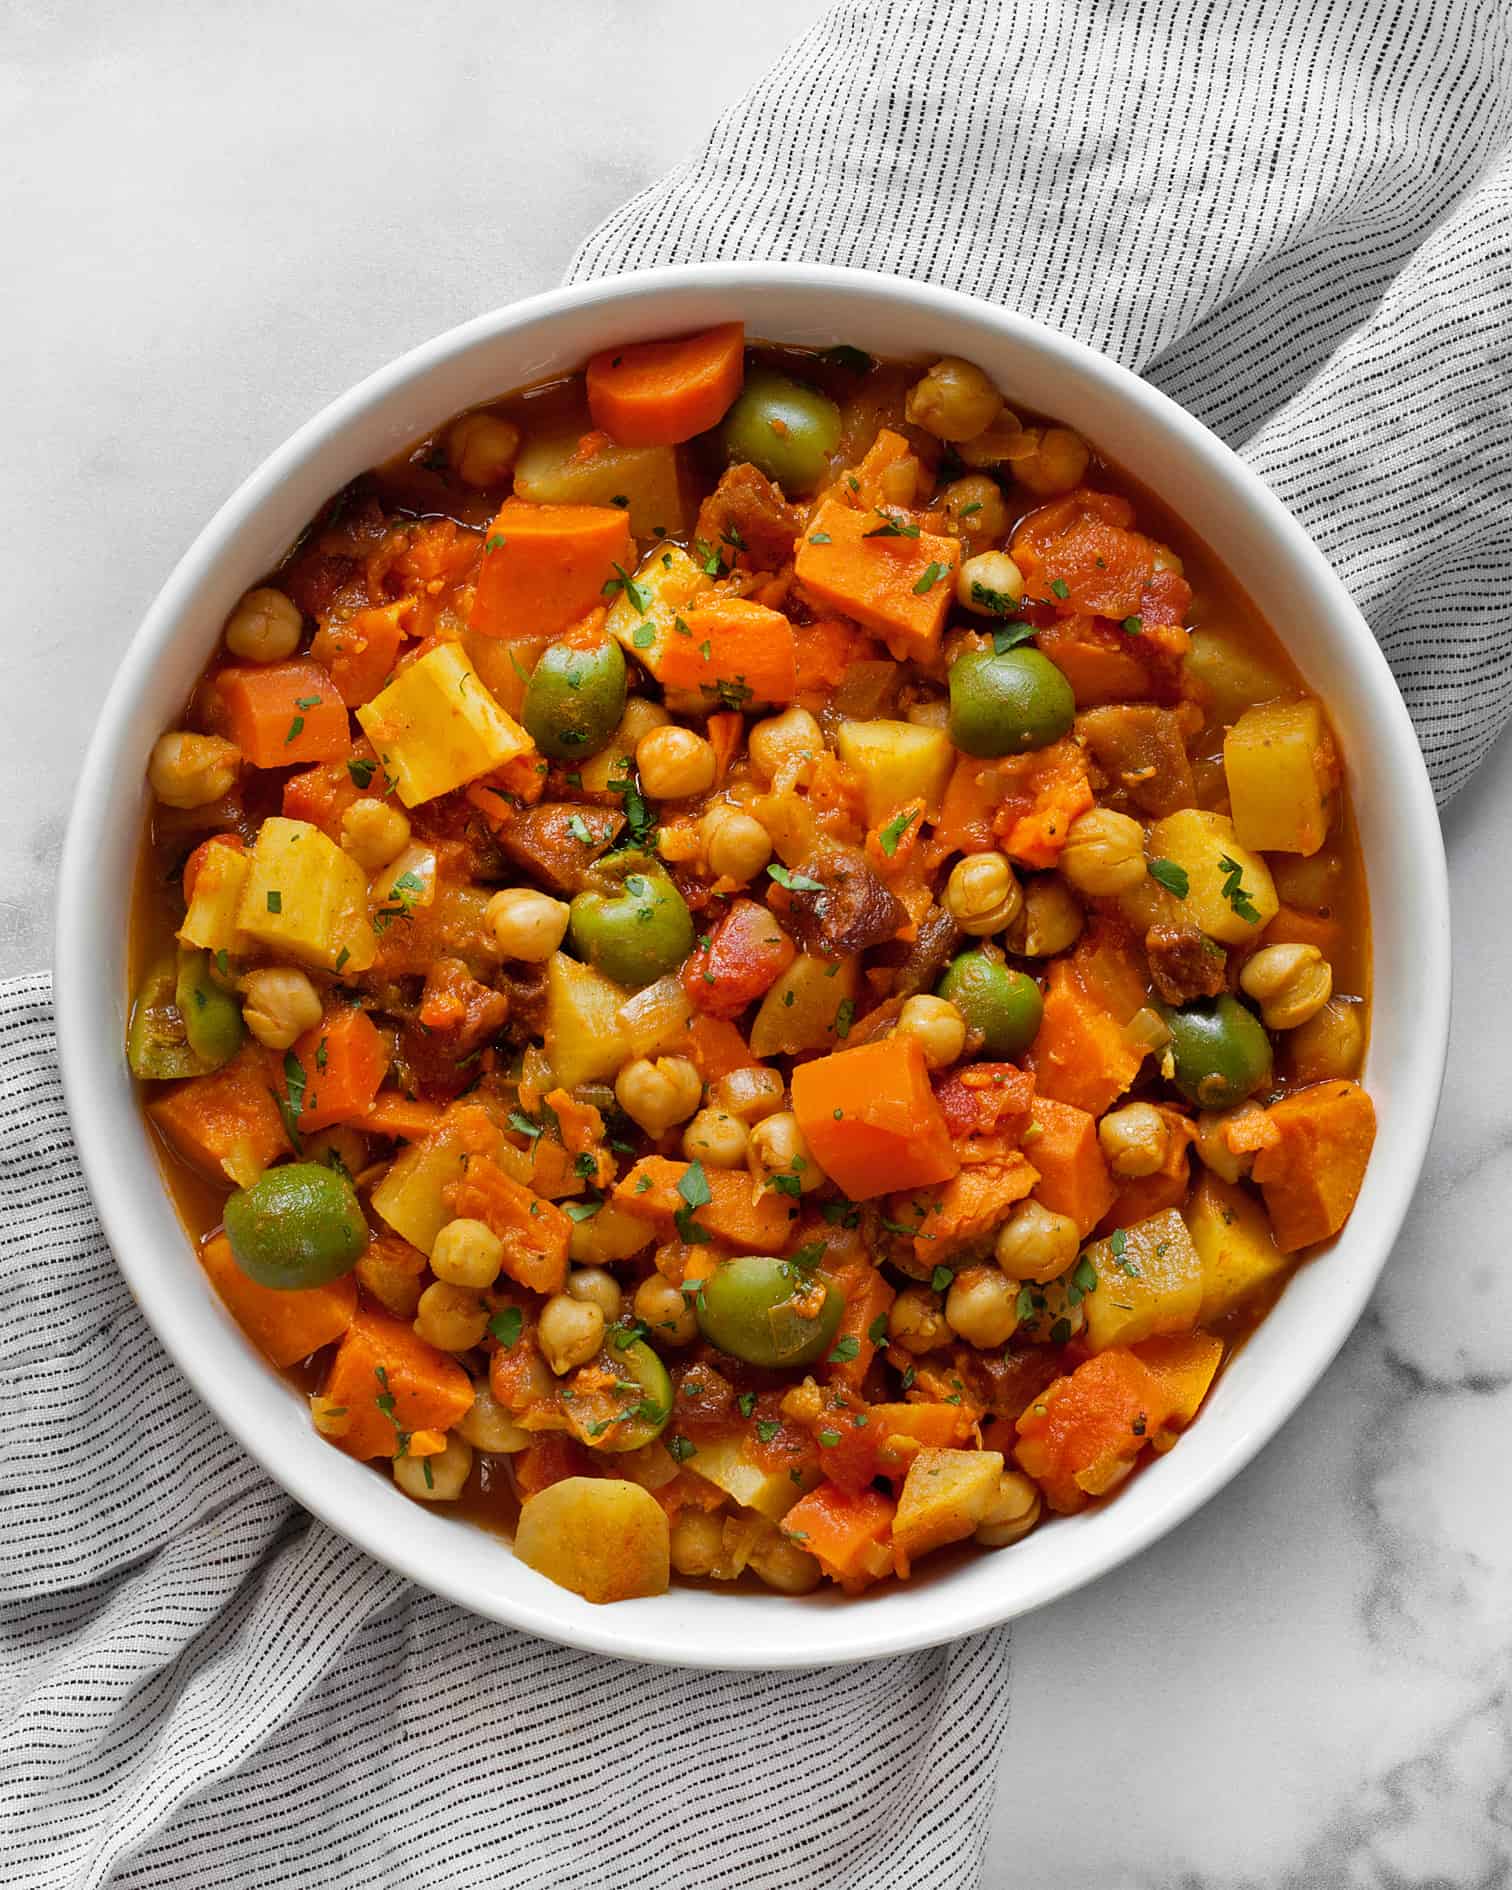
(385, 1383)
(847, 1531)
(865, 566)
(1073, 1176)
(871, 1120)
(1080, 1055)
(1081, 1435)
(285, 1327)
(545, 567)
(734, 651)
(734, 1213)
(1311, 1174)
(658, 393)
(342, 1063)
(284, 715)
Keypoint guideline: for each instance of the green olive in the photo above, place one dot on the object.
(1003, 1004)
(1007, 702)
(630, 921)
(157, 1044)
(298, 1225)
(649, 1413)
(212, 1017)
(1220, 1051)
(574, 699)
(769, 1312)
(785, 429)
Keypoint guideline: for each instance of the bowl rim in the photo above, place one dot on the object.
(84, 1058)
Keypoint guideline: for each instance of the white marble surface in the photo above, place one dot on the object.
(216, 219)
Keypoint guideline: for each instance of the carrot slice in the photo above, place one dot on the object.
(658, 393)
(844, 1529)
(285, 1327)
(284, 715)
(1073, 1176)
(343, 1062)
(545, 567)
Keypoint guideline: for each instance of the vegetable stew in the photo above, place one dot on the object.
(750, 965)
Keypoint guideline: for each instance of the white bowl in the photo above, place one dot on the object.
(1212, 492)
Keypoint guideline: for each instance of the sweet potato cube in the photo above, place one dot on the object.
(1184, 1365)
(870, 1118)
(730, 650)
(225, 1124)
(1149, 1281)
(304, 898)
(545, 566)
(1279, 761)
(944, 1496)
(436, 727)
(387, 1383)
(210, 923)
(1073, 1174)
(285, 1327)
(1235, 1244)
(897, 586)
(1312, 1173)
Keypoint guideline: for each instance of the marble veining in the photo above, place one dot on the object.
(219, 218)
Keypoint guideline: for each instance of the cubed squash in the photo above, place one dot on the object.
(898, 763)
(1230, 893)
(605, 1538)
(1184, 1365)
(897, 584)
(285, 1327)
(303, 898)
(945, 1495)
(436, 727)
(210, 923)
(585, 1040)
(1149, 1281)
(870, 1118)
(771, 1493)
(283, 715)
(1234, 1242)
(573, 468)
(411, 1197)
(804, 1009)
(1279, 762)
(546, 566)
(1311, 1174)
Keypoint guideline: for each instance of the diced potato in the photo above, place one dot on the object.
(210, 923)
(1208, 850)
(585, 1041)
(1233, 673)
(618, 753)
(666, 584)
(771, 1493)
(603, 1537)
(1149, 1281)
(1279, 763)
(304, 898)
(1234, 1242)
(801, 1010)
(609, 1236)
(645, 479)
(945, 1495)
(898, 762)
(436, 726)
(409, 1197)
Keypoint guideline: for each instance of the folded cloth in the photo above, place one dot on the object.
(1293, 218)
(202, 1687)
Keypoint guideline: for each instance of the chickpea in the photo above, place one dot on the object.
(596, 1286)
(750, 1094)
(436, 1479)
(982, 1307)
(265, 626)
(982, 894)
(374, 832)
(570, 1333)
(674, 764)
(1135, 1140)
(915, 1321)
(450, 1317)
(482, 448)
(1104, 853)
(660, 1305)
(737, 844)
(782, 1565)
(954, 401)
(526, 924)
(1012, 1513)
(488, 1426)
(1291, 983)
(716, 1139)
(657, 1095)
(1049, 921)
(939, 1027)
(900, 481)
(467, 1253)
(279, 1005)
(339, 1148)
(1035, 1243)
(977, 512)
(1058, 463)
(1213, 1147)
(785, 741)
(187, 770)
(990, 584)
(777, 1147)
(697, 1542)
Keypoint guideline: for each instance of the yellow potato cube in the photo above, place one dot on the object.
(898, 763)
(771, 1493)
(665, 585)
(1279, 764)
(1232, 1234)
(436, 726)
(210, 923)
(409, 1197)
(303, 898)
(603, 1537)
(1149, 1281)
(945, 1495)
(1230, 893)
(801, 1011)
(645, 480)
(585, 1040)
(609, 1236)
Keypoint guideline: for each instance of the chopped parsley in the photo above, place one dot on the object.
(506, 1325)
(632, 592)
(941, 1278)
(794, 882)
(1131, 626)
(766, 1429)
(929, 577)
(645, 636)
(819, 538)
(847, 1349)
(845, 1016)
(694, 1190)
(1009, 636)
(895, 829)
(1168, 874)
(1060, 588)
(275, 901)
(891, 528)
(580, 830)
(680, 1448)
(1233, 890)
